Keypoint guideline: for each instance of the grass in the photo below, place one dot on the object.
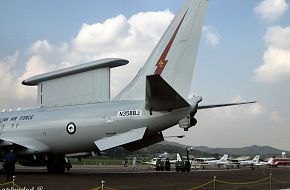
(102, 161)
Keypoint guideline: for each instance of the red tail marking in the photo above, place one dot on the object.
(162, 61)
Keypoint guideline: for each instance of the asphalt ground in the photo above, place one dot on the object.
(117, 177)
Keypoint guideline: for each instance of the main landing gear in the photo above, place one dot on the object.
(58, 164)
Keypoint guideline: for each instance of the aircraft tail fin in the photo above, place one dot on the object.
(270, 161)
(174, 56)
(224, 158)
(178, 158)
(257, 158)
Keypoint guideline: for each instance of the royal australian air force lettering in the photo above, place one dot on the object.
(129, 113)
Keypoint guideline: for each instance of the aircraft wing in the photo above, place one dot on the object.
(31, 145)
(223, 105)
(120, 139)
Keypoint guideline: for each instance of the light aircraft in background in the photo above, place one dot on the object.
(76, 115)
(223, 161)
(251, 163)
(163, 157)
(275, 162)
(201, 162)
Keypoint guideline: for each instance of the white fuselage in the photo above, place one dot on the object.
(92, 121)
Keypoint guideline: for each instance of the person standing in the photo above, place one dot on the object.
(126, 163)
(134, 163)
(10, 160)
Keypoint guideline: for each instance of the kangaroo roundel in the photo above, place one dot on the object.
(71, 128)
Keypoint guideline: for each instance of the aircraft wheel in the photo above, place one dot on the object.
(56, 165)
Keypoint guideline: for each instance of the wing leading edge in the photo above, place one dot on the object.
(28, 145)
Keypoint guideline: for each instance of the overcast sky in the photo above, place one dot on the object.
(244, 54)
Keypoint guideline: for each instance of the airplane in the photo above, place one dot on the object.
(152, 162)
(163, 157)
(251, 163)
(275, 162)
(76, 115)
(223, 161)
(201, 162)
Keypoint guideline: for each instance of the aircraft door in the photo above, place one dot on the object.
(2, 128)
(110, 128)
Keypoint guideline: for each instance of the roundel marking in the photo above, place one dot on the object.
(71, 128)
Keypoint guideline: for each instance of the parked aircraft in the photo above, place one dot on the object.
(275, 162)
(76, 115)
(221, 162)
(200, 162)
(152, 162)
(251, 163)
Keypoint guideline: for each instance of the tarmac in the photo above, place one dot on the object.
(143, 178)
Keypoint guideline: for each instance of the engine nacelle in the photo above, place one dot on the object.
(193, 121)
(187, 122)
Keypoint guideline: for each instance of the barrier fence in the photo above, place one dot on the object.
(11, 184)
(216, 181)
(102, 187)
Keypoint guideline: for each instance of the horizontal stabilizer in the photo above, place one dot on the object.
(120, 139)
(223, 105)
(160, 96)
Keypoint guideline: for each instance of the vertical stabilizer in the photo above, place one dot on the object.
(175, 54)
(178, 158)
(256, 159)
(224, 158)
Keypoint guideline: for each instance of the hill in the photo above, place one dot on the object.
(199, 151)
(154, 150)
(250, 150)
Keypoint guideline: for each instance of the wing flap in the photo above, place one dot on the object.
(120, 139)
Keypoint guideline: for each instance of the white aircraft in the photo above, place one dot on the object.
(221, 162)
(251, 163)
(200, 162)
(76, 116)
(152, 162)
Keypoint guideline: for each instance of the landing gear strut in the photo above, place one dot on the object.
(57, 164)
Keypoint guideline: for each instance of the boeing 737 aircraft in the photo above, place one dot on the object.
(76, 116)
